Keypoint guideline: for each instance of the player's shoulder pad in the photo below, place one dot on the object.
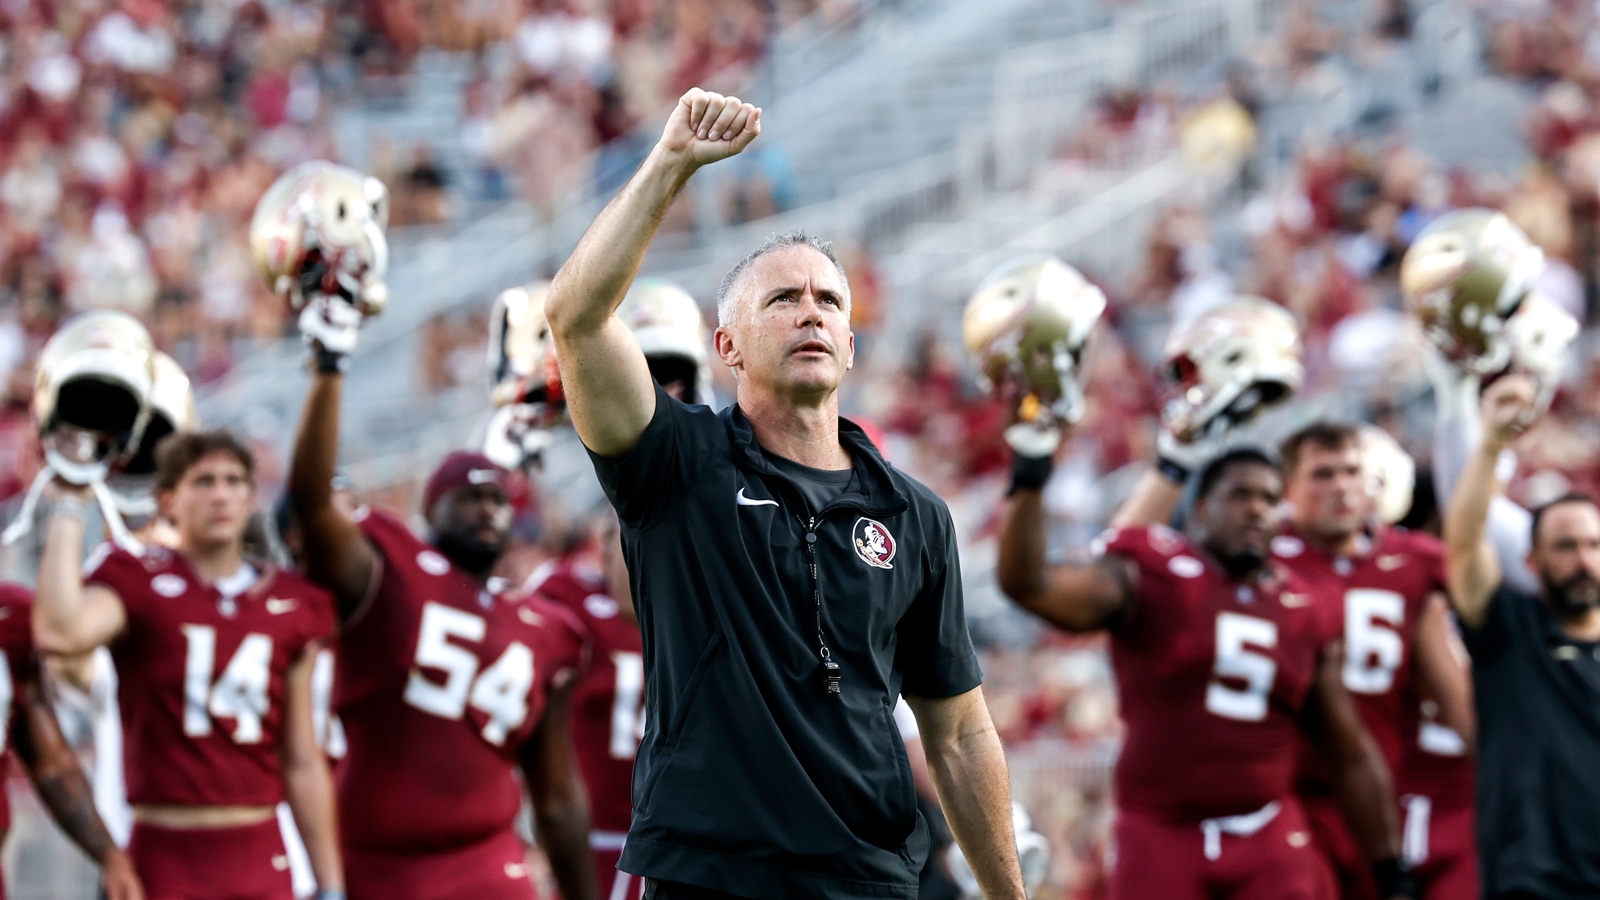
(1140, 540)
(1418, 542)
(107, 557)
(296, 581)
(386, 530)
(556, 619)
(1288, 546)
(13, 594)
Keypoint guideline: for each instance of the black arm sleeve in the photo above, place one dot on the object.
(934, 651)
(645, 480)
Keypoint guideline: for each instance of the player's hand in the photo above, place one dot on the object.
(120, 881)
(59, 489)
(705, 127)
(1510, 407)
(331, 324)
(1032, 430)
(1180, 459)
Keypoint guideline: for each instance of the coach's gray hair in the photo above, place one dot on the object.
(784, 241)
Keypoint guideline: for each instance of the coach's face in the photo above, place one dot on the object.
(790, 328)
(1328, 491)
(1566, 554)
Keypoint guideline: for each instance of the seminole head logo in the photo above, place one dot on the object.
(873, 543)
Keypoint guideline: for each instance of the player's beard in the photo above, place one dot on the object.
(1573, 597)
(468, 553)
(1242, 563)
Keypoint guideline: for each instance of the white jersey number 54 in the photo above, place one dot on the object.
(500, 691)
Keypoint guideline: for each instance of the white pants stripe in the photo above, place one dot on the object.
(1414, 836)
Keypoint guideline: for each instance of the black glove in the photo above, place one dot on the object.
(1395, 879)
(1029, 473)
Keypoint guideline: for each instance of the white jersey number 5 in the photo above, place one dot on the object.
(500, 692)
(240, 694)
(1239, 638)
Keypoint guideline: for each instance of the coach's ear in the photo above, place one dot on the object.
(728, 350)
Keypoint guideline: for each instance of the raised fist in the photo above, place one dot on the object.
(1510, 406)
(705, 127)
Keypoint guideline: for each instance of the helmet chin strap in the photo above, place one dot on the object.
(94, 478)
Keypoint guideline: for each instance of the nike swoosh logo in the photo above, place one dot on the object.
(279, 607)
(1390, 563)
(482, 476)
(742, 500)
(1293, 601)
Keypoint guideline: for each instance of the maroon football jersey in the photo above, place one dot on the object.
(608, 704)
(1435, 763)
(1375, 601)
(1212, 673)
(439, 684)
(201, 676)
(16, 658)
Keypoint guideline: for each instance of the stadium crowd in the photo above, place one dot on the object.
(135, 140)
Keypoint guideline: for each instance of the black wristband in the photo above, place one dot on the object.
(1395, 879)
(1171, 470)
(327, 362)
(1029, 473)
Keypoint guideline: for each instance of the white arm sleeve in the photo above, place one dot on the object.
(1455, 434)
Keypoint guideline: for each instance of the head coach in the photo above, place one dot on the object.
(1536, 674)
(789, 583)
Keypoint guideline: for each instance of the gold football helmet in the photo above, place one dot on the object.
(1464, 276)
(319, 231)
(172, 410)
(91, 397)
(522, 356)
(1391, 474)
(667, 323)
(524, 381)
(1027, 327)
(1228, 365)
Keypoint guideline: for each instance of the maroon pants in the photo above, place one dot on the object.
(493, 869)
(1157, 858)
(243, 863)
(614, 883)
(1441, 843)
(1347, 864)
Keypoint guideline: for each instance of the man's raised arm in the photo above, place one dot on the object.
(603, 371)
(1076, 598)
(1474, 569)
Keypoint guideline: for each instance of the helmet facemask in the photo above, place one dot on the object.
(1027, 331)
(1227, 366)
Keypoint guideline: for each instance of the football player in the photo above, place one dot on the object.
(448, 688)
(1377, 579)
(215, 656)
(1219, 650)
(1221, 660)
(1436, 780)
(28, 724)
(608, 706)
